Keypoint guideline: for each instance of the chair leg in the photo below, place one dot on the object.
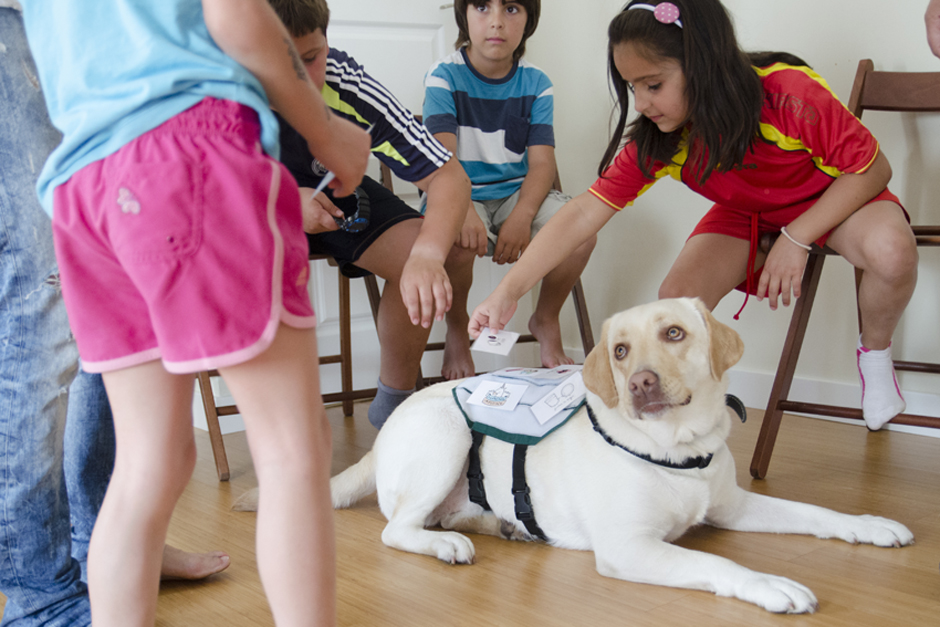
(375, 296)
(215, 431)
(584, 320)
(345, 341)
(787, 367)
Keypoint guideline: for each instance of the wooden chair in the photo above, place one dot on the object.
(343, 358)
(877, 91)
(577, 296)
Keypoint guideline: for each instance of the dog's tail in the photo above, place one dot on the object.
(354, 483)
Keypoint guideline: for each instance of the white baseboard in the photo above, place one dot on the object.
(754, 389)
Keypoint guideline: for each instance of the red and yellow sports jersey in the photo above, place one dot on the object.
(810, 139)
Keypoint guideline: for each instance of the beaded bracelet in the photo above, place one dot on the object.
(783, 230)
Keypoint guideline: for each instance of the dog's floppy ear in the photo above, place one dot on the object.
(598, 377)
(725, 345)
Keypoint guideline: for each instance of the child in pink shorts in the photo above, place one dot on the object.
(180, 244)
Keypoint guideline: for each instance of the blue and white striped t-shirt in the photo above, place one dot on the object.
(495, 121)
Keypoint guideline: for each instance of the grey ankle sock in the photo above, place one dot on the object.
(385, 402)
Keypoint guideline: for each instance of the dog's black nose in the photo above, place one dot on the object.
(644, 383)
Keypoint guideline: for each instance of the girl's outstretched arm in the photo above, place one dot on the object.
(783, 270)
(250, 32)
(574, 224)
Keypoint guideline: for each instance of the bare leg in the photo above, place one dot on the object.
(155, 457)
(278, 393)
(402, 343)
(556, 286)
(877, 240)
(709, 266)
(458, 363)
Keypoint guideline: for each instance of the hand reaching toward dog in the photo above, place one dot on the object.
(494, 313)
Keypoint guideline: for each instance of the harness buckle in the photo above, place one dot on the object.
(523, 504)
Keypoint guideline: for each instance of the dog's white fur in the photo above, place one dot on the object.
(656, 384)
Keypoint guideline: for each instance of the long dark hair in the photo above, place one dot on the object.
(724, 93)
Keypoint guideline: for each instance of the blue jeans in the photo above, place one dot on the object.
(38, 362)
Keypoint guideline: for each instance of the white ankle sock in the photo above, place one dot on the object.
(881, 396)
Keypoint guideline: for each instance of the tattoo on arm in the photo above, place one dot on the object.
(295, 61)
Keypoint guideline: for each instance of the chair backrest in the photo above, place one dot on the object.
(897, 91)
(893, 91)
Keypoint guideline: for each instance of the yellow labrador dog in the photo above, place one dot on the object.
(656, 392)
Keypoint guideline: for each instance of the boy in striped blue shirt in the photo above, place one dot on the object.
(494, 111)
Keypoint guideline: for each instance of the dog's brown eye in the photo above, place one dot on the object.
(675, 334)
(620, 351)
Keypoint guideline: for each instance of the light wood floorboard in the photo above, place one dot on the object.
(519, 584)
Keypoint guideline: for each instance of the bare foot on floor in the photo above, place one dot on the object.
(179, 564)
(549, 336)
(458, 363)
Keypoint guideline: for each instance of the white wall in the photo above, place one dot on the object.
(636, 249)
(639, 246)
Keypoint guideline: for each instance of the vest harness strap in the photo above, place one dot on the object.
(520, 489)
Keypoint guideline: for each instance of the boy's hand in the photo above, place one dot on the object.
(425, 290)
(783, 272)
(473, 233)
(494, 312)
(514, 237)
(318, 212)
(344, 149)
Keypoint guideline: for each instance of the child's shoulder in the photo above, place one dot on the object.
(792, 78)
(453, 63)
(533, 73)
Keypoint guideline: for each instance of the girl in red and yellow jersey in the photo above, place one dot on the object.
(765, 139)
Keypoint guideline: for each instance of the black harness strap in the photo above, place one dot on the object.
(520, 489)
(520, 493)
(475, 473)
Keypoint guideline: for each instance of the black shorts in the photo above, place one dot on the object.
(387, 210)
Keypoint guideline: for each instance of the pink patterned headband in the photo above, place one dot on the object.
(665, 12)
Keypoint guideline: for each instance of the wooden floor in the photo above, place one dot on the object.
(839, 466)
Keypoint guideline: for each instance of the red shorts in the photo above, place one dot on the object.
(186, 245)
(737, 223)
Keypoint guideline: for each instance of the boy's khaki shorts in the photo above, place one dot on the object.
(495, 212)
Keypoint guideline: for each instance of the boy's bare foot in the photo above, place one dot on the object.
(179, 564)
(458, 363)
(548, 333)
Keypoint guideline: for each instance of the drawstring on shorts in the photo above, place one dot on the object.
(751, 258)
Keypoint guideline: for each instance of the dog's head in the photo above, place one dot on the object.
(659, 357)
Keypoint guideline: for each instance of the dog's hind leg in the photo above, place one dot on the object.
(487, 524)
(406, 532)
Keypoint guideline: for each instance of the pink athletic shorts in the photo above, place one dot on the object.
(186, 245)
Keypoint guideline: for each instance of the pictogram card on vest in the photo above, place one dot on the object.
(542, 399)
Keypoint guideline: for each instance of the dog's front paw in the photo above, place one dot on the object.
(779, 595)
(878, 531)
(453, 548)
